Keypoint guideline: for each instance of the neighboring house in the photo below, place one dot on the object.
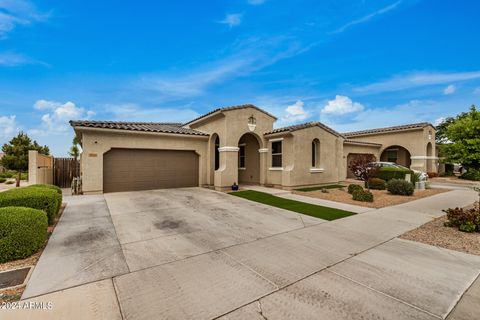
(236, 144)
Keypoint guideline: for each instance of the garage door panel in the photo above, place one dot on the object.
(140, 169)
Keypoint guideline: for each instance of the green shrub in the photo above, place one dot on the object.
(10, 182)
(2, 180)
(37, 198)
(471, 174)
(50, 187)
(400, 187)
(388, 174)
(7, 175)
(352, 187)
(22, 232)
(376, 184)
(468, 227)
(362, 195)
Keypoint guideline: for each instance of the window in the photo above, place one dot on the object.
(217, 153)
(241, 157)
(315, 153)
(276, 154)
(392, 155)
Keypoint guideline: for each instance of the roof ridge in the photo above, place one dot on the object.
(390, 128)
(227, 108)
(305, 125)
(128, 122)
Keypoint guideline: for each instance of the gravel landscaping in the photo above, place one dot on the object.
(382, 198)
(436, 234)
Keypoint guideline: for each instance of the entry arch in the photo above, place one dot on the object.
(249, 158)
(397, 154)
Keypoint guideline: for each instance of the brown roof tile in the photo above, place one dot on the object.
(363, 142)
(159, 127)
(388, 129)
(304, 126)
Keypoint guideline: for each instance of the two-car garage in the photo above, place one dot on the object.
(145, 169)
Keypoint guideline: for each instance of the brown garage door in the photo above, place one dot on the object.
(142, 169)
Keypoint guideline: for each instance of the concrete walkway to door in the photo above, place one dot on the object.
(199, 254)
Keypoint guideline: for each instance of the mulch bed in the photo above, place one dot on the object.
(382, 198)
(436, 234)
(8, 295)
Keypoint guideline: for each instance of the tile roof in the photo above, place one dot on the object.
(363, 142)
(304, 126)
(388, 129)
(159, 127)
(242, 106)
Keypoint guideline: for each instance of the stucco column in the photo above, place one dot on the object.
(263, 164)
(227, 174)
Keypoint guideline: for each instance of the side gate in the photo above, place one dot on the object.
(64, 170)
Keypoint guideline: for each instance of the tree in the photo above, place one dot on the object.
(16, 153)
(463, 136)
(441, 129)
(361, 166)
(75, 149)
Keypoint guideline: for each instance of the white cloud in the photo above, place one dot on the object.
(256, 2)
(56, 120)
(232, 19)
(368, 17)
(341, 105)
(438, 121)
(8, 127)
(11, 59)
(417, 79)
(449, 89)
(476, 91)
(295, 112)
(14, 13)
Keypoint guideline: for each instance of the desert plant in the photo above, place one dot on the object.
(400, 187)
(467, 220)
(432, 174)
(37, 198)
(377, 184)
(352, 187)
(362, 195)
(22, 232)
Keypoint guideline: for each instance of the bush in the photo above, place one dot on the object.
(2, 180)
(50, 187)
(467, 220)
(36, 198)
(471, 174)
(352, 187)
(400, 187)
(432, 174)
(10, 182)
(7, 174)
(22, 232)
(388, 174)
(376, 184)
(362, 195)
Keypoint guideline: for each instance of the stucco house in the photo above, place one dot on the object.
(236, 144)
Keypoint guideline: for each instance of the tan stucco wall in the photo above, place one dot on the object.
(97, 141)
(415, 141)
(40, 168)
(297, 155)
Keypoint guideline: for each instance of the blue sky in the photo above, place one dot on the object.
(350, 64)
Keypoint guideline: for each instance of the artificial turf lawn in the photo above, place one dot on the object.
(313, 210)
(330, 186)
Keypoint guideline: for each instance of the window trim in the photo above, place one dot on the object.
(277, 154)
(315, 150)
(240, 146)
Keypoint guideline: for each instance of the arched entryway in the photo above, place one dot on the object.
(429, 157)
(248, 159)
(214, 156)
(397, 154)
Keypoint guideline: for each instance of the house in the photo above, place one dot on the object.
(236, 145)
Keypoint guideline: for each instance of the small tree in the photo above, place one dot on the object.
(462, 137)
(361, 166)
(75, 148)
(16, 153)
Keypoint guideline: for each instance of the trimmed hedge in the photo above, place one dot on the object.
(352, 187)
(22, 232)
(388, 174)
(50, 187)
(376, 184)
(471, 174)
(400, 187)
(362, 195)
(44, 199)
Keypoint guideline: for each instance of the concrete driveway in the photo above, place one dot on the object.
(197, 254)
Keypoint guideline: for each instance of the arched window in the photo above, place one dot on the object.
(316, 153)
(217, 153)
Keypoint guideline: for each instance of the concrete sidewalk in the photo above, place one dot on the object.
(349, 268)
